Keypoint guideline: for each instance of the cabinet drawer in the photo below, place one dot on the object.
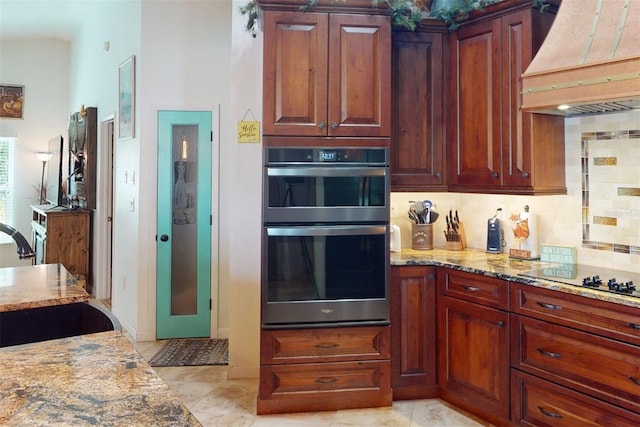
(536, 402)
(476, 288)
(323, 377)
(597, 366)
(600, 317)
(324, 345)
(324, 386)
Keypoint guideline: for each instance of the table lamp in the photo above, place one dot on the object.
(44, 157)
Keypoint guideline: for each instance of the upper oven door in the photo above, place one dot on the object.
(298, 192)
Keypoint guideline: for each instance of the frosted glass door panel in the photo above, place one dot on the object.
(184, 272)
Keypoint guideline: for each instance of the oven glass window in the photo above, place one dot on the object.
(323, 191)
(306, 268)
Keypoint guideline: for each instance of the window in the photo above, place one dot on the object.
(6, 184)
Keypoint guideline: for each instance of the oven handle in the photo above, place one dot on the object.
(325, 171)
(333, 230)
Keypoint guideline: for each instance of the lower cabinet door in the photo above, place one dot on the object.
(536, 402)
(473, 357)
(413, 332)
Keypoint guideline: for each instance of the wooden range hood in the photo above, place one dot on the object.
(590, 60)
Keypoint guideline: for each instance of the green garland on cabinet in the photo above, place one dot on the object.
(405, 14)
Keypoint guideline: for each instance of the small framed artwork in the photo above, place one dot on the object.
(127, 98)
(11, 101)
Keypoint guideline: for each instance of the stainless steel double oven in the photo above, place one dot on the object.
(325, 236)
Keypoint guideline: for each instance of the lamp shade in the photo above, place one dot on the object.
(44, 156)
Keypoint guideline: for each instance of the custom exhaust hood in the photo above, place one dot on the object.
(589, 61)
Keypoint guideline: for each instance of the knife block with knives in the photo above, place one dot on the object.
(454, 234)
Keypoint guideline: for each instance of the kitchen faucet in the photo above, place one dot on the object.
(24, 250)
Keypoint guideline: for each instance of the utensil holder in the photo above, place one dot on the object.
(421, 236)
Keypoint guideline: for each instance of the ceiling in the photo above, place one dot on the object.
(38, 19)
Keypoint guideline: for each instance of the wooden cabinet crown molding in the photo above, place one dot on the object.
(346, 6)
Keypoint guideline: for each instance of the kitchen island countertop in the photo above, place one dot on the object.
(36, 286)
(95, 379)
(501, 266)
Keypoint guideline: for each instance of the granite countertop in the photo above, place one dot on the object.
(35, 286)
(96, 379)
(501, 266)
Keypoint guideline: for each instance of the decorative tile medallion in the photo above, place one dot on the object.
(608, 183)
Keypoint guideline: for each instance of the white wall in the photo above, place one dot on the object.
(94, 83)
(242, 188)
(185, 66)
(42, 67)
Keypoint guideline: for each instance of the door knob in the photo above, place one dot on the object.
(164, 237)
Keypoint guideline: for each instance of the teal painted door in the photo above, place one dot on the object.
(184, 224)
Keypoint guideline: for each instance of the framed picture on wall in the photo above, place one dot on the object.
(11, 101)
(127, 98)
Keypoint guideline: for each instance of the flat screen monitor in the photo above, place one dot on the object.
(54, 172)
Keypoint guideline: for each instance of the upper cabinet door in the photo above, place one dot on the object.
(475, 112)
(295, 73)
(359, 75)
(417, 148)
(326, 74)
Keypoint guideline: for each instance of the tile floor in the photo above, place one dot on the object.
(216, 400)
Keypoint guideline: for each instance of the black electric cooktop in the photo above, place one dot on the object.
(602, 279)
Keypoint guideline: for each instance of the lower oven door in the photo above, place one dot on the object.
(325, 275)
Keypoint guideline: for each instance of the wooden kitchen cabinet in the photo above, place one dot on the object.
(600, 367)
(584, 350)
(495, 147)
(413, 332)
(473, 344)
(62, 235)
(326, 75)
(322, 369)
(537, 402)
(418, 129)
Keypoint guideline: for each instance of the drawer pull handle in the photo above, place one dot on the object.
(548, 353)
(549, 414)
(634, 326)
(470, 288)
(634, 380)
(549, 306)
(325, 380)
(327, 345)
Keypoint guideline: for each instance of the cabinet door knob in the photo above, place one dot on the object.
(334, 125)
(495, 175)
(501, 324)
(438, 175)
(321, 125)
(431, 276)
(525, 175)
(164, 237)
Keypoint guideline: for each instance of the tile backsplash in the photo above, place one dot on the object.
(599, 216)
(611, 190)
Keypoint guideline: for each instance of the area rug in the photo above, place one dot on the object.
(192, 352)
